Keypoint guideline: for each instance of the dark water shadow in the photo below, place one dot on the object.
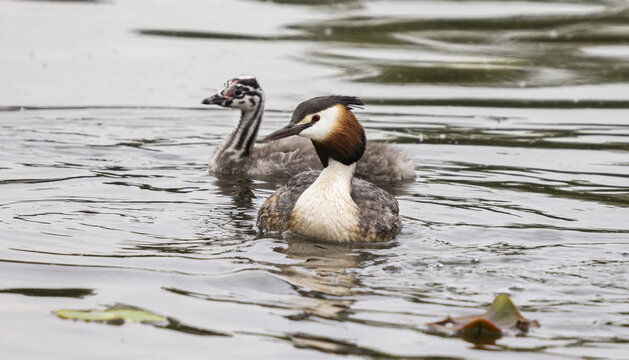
(190, 34)
(78, 293)
(502, 103)
(343, 347)
(314, 2)
(71, 1)
(176, 325)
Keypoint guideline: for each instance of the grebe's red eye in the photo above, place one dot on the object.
(316, 118)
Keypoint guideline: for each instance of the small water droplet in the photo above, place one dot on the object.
(392, 268)
(516, 287)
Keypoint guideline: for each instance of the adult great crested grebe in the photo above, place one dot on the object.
(330, 205)
(288, 157)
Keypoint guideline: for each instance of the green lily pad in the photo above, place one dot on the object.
(110, 316)
(501, 316)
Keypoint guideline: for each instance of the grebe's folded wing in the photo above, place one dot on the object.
(378, 211)
(276, 210)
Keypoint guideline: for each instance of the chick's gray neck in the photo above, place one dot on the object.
(242, 139)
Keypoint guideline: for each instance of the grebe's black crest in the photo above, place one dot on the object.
(321, 103)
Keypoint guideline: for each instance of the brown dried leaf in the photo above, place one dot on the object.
(502, 315)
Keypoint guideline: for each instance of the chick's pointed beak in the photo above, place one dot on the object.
(286, 131)
(216, 99)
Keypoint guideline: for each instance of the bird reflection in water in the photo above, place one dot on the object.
(324, 277)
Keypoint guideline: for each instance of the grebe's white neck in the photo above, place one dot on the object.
(337, 176)
(326, 210)
(241, 141)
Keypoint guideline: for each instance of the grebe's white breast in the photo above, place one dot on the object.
(325, 210)
(374, 215)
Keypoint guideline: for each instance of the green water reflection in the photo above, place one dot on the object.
(512, 51)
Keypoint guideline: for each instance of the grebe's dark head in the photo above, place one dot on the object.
(329, 122)
(242, 93)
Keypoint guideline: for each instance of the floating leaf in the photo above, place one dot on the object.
(502, 315)
(110, 316)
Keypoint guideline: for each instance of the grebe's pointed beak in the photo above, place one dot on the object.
(286, 131)
(216, 99)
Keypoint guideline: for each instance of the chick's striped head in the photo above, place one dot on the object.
(243, 92)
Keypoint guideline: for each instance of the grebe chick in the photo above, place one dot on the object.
(331, 205)
(237, 154)
(287, 157)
